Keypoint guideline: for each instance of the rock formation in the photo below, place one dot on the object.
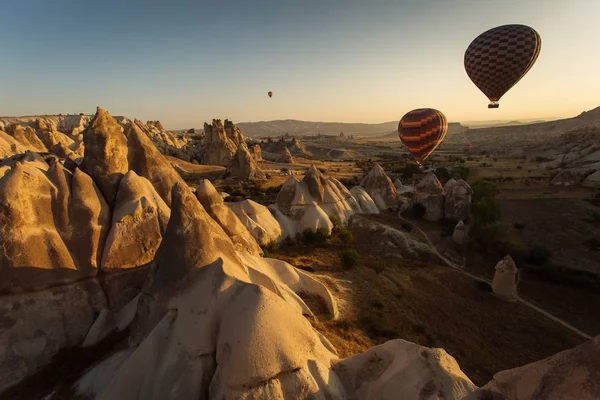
(457, 203)
(215, 206)
(310, 202)
(286, 157)
(299, 149)
(565, 178)
(505, 279)
(105, 156)
(256, 152)
(25, 135)
(430, 194)
(366, 203)
(139, 219)
(398, 184)
(592, 180)
(380, 188)
(451, 182)
(9, 146)
(460, 235)
(51, 137)
(221, 143)
(243, 165)
(258, 220)
(570, 374)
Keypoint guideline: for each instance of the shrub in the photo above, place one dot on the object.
(377, 267)
(460, 173)
(410, 169)
(308, 235)
(349, 258)
(320, 237)
(285, 170)
(538, 255)
(407, 227)
(346, 237)
(334, 220)
(442, 174)
(418, 210)
(377, 304)
(517, 250)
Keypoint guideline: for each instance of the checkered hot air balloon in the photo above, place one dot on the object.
(497, 59)
(421, 131)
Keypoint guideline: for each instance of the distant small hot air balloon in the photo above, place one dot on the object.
(497, 59)
(421, 131)
(270, 94)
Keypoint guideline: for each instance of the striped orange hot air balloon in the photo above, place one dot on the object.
(497, 59)
(421, 131)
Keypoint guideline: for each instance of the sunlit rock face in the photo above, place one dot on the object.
(381, 189)
(221, 142)
(457, 203)
(430, 193)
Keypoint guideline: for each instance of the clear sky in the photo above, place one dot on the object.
(186, 62)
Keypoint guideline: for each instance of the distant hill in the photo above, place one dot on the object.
(491, 124)
(302, 128)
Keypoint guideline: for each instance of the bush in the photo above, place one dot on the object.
(334, 220)
(346, 237)
(517, 250)
(418, 210)
(538, 255)
(407, 227)
(460, 173)
(410, 169)
(349, 258)
(377, 267)
(442, 174)
(320, 237)
(285, 170)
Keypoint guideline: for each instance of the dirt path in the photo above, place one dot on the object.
(480, 279)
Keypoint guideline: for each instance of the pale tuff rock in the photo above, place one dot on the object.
(286, 157)
(430, 194)
(405, 244)
(243, 165)
(367, 205)
(460, 235)
(258, 220)
(51, 137)
(145, 159)
(451, 182)
(298, 148)
(9, 146)
(73, 125)
(54, 226)
(156, 124)
(139, 219)
(105, 156)
(25, 135)
(565, 178)
(256, 152)
(36, 326)
(399, 369)
(505, 279)
(310, 202)
(398, 184)
(570, 374)
(380, 188)
(215, 206)
(108, 322)
(221, 142)
(457, 204)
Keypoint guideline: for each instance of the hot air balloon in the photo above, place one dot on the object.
(270, 94)
(497, 59)
(421, 131)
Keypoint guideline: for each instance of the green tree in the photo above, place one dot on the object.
(349, 258)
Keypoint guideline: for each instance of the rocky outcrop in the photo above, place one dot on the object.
(243, 165)
(505, 279)
(258, 220)
(565, 178)
(457, 202)
(54, 225)
(381, 189)
(145, 159)
(51, 137)
(430, 194)
(286, 157)
(105, 156)
(310, 202)
(139, 219)
(364, 200)
(460, 236)
(156, 124)
(570, 374)
(398, 184)
(221, 142)
(9, 146)
(25, 135)
(215, 206)
(256, 152)
(299, 149)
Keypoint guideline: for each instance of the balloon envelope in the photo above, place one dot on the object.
(270, 94)
(497, 59)
(421, 131)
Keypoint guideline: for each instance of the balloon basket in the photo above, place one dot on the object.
(493, 105)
